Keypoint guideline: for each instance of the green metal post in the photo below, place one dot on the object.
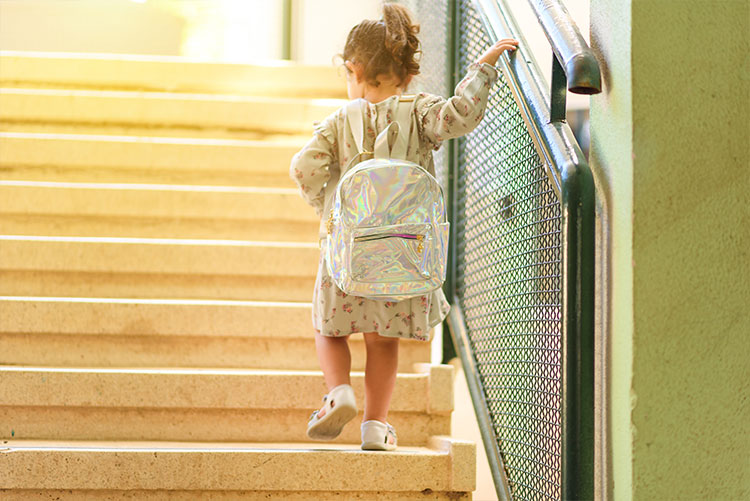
(578, 336)
(286, 29)
(449, 349)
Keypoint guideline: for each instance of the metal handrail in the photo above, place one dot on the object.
(576, 57)
(544, 114)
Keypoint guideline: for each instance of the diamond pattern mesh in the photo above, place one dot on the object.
(433, 19)
(510, 281)
(509, 256)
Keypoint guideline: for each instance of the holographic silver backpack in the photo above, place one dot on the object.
(387, 230)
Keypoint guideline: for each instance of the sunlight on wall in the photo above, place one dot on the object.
(230, 30)
(311, 44)
(218, 30)
(104, 26)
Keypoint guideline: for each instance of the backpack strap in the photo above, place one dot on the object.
(356, 123)
(404, 114)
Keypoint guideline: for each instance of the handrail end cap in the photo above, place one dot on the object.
(584, 76)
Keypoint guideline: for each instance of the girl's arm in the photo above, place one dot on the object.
(442, 119)
(310, 167)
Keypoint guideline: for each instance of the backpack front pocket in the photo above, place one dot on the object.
(390, 254)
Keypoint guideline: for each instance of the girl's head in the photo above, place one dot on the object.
(384, 50)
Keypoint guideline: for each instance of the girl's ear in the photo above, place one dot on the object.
(356, 70)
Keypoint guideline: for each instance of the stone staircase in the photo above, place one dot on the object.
(156, 265)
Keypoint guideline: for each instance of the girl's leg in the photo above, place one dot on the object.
(380, 375)
(335, 361)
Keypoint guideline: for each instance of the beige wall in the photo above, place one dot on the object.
(88, 26)
(223, 30)
(670, 151)
(218, 30)
(321, 26)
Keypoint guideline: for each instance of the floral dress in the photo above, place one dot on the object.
(318, 166)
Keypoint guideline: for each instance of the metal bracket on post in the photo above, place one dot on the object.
(558, 92)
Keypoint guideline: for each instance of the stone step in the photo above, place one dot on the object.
(132, 159)
(168, 73)
(152, 131)
(142, 227)
(444, 469)
(148, 210)
(163, 109)
(203, 404)
(153, 268)
(66, 332)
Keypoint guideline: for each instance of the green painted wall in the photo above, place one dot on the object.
(611, 160)
(691, 280)
(688, 135)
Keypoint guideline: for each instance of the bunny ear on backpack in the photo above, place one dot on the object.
(402, 126)
(383, 150)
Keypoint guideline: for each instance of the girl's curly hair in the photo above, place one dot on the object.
(386, 47)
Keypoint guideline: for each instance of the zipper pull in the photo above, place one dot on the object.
(420, 246)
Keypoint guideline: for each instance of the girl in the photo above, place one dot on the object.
(380, 59)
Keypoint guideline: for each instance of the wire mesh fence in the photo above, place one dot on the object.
(509, 280)
(434, 20)
(508, 242)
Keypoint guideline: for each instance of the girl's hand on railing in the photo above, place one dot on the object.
(492, 54)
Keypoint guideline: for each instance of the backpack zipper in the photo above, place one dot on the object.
(405, 236)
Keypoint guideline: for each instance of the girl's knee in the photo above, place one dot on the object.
(331, 339)
(375, 339)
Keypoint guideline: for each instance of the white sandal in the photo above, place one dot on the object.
(378, 436)
(340, 407)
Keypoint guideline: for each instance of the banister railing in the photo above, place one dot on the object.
(571, 51)
(521, 277)
(522, 254)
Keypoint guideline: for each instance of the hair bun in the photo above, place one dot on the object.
(386, 47)
(401, 37)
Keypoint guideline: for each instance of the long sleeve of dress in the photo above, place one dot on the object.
(442, 119)
(438, 119)
(311, 166)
